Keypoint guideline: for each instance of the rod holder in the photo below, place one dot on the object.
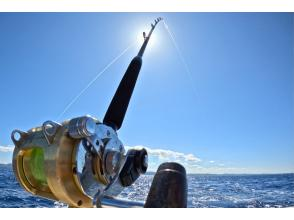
(169, 187)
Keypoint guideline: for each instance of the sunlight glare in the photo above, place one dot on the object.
(140, 38)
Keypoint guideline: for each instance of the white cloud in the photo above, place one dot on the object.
(172, 155)
(2, 161)
(192, 163)
(158, 156)
(168, 154)
(6, 149)
(5, 154)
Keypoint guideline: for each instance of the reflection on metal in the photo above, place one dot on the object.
(81, 127)
(120, 203)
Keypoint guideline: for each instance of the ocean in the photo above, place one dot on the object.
(204, 190)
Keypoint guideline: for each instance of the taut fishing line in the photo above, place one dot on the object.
(182, 58)
(74, 100)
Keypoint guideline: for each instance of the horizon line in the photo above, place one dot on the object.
(153, 172)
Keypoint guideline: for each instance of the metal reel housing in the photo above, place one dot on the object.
(75, 162)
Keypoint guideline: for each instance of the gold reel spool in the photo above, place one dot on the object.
(46, 165)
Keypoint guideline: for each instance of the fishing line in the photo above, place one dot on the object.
(181, 58)
(74, 100)
(189, 74)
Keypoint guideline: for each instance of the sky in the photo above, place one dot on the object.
(221, 101)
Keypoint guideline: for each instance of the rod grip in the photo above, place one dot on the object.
(169, 187)
(119, 104)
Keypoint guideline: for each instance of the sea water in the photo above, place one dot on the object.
(244, 191)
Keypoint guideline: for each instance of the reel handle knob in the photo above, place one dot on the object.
(135, 165)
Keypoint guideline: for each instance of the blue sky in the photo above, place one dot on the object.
(233, 113)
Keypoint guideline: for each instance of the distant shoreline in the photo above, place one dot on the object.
(230, 174)
(206, 174)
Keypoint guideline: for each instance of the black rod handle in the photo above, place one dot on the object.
(119, 104)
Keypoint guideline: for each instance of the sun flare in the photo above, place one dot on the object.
(140, 38)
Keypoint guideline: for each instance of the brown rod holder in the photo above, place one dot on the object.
(169, 187)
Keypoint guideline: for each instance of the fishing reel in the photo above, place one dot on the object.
(76, 162)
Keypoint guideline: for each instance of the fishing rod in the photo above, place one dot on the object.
(82, 162)
(119, 104)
